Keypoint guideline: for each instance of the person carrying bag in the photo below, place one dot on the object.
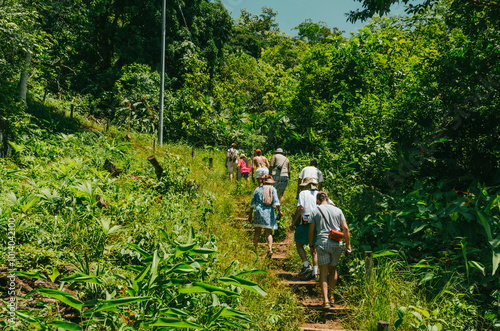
(333, 234)
(325, 221)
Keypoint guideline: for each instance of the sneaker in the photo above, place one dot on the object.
(331, 300)
(326, 305)
(316, 277)
(305, 271)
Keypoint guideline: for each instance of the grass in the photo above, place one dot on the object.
(51, 231)
(58, 175)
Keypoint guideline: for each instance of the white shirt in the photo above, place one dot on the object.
(312, 172)
(229, 154)
(307, 199)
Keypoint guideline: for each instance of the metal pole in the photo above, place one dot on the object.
(162, 88)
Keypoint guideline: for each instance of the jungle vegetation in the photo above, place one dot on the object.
(403, 117)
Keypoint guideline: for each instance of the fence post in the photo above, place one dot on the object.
(156, 165)
(193, 152)
(154, 145)
(72, 108)
(368, 266)
(108, 121)
(210, 162)
(383, 326)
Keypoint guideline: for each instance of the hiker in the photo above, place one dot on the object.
(232, 160)
(305, 205)
(261, 166)
(311, 171)
(280, 170)
(245, 167)
(329, 247)
(264, 201)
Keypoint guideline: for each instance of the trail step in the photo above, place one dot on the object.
(331, 326)
(301, 282)
(279, 257)
(310, 305)
(319, 308)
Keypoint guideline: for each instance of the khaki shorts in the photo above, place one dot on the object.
(231, 167)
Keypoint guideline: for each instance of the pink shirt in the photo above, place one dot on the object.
(243, 166)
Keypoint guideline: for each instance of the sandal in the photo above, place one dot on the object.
(326, 305)
(331, 300)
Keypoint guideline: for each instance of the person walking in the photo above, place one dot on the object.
(261, 166)
(300, 222)
(311, 171)
(245, 167)
(280, 170)
(232, 160)
(329, 248)
(262, 215)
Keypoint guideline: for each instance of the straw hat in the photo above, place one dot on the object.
(310, 181)
(268, 179)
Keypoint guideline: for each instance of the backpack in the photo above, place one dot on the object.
(233, 156)
(267, 197)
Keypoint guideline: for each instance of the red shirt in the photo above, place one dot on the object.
(243, 166)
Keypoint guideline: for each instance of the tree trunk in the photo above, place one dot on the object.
(23, 81)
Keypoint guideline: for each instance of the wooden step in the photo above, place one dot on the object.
(275, 244)
(315, 304)
(307, 328)
(241, 219)
(332, 309)
(328, 326)
(279, 257)
(312, 328)
(301, 283)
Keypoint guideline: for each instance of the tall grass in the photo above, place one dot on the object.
(64, 217)
(397, 294)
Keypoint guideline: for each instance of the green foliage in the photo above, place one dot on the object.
(316, 32)
(137, 90)
(254, 32)
(402, 117)
(164, 291)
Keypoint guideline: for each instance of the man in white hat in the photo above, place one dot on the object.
(311, 171)
(232, 160)
(306, 204)
(280, 170)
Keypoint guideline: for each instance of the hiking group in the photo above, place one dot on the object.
(317, 222)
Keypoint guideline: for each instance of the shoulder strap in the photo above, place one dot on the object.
(282, 163)
(326, 220)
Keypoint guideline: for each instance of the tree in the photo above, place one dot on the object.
(20, 39)
(316, 32)
(254, 32)
(490, 9)
(382, 7)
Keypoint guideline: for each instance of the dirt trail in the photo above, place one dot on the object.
(308, 293)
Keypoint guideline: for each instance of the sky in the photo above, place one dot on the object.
(293, 12)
